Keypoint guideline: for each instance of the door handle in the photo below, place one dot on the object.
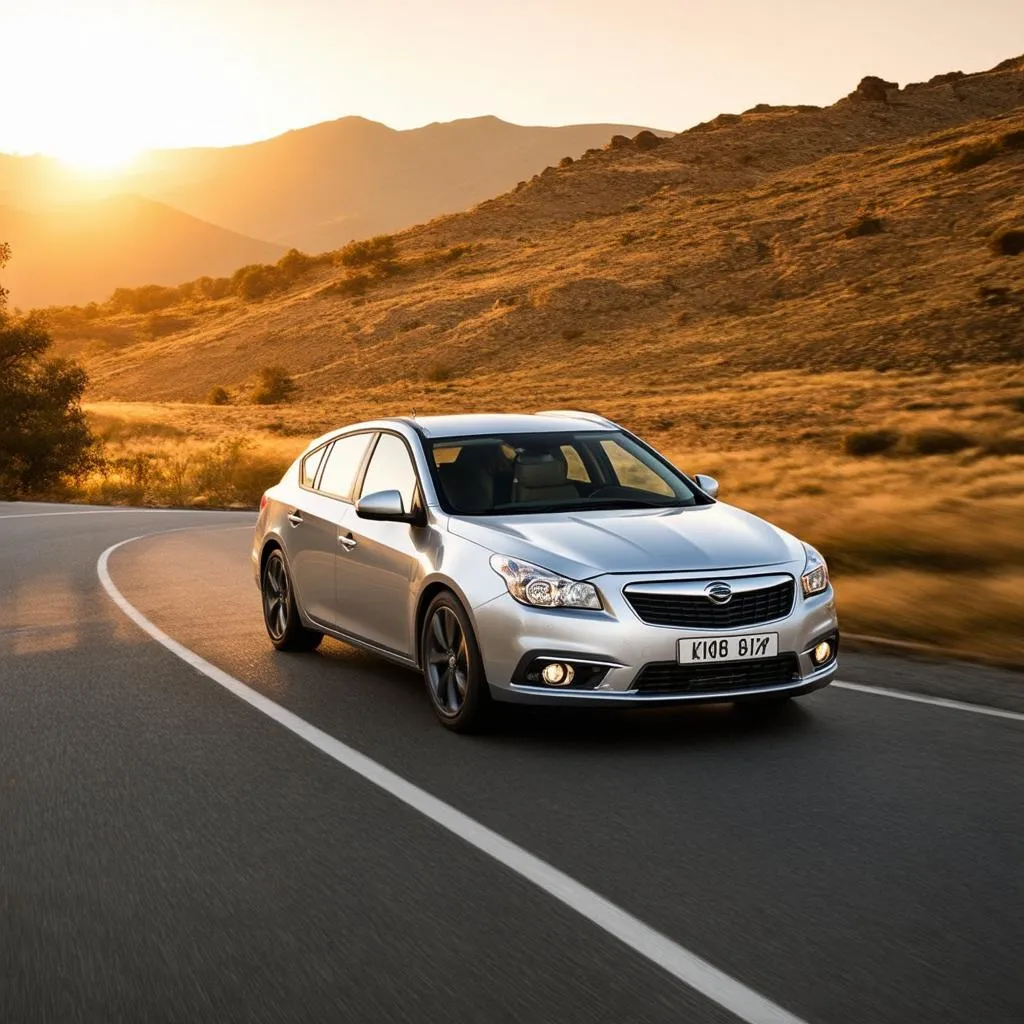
(295, 518)
(348, 542)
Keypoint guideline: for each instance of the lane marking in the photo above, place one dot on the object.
(79, 512)
(127, 510)
(678, 961)
(939, 702)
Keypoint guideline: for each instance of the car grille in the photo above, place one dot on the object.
(695, 611)
(671, 677)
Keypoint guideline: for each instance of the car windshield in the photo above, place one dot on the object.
(520, 474)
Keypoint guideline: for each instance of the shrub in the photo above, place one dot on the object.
(457, 252)
(1017, 402)
(439, 372)
(566, 161)
(294, 264)
(870, 442)
(381, 249)
(229, 473)
(147, 299)
(865, 224)
(256, 281)
(628, 237)
(968, 157)
(218, 396)
(273, 385)
(939, 441)
(572, 333)
(1009, 242)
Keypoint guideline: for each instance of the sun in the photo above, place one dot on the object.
(97, 155)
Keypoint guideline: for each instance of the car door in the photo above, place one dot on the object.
(315, 526)
(380, 560)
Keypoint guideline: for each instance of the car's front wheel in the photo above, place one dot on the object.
(452, 667)
(280, 613)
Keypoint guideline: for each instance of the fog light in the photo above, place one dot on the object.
(822, 652)
(557, 674)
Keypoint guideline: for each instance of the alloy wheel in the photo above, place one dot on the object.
(275, 597)
(447, 661)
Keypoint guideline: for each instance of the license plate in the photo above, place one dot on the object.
(728, 648)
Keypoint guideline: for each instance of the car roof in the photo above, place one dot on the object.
(477, 425)
(470, 424)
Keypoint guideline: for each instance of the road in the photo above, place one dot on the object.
(169, 852)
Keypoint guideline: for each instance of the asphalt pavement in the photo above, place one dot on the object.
(169, 853)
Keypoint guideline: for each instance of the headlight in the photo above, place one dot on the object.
(815, 577)
(541, 588)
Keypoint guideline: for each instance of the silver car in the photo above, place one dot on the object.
(544, 559)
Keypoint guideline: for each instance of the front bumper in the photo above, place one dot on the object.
(512, 635)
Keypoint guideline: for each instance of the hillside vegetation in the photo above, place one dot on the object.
(825, 307)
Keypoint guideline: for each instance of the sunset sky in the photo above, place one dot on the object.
(95, 80)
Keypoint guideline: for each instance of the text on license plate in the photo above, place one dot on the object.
(729, 648)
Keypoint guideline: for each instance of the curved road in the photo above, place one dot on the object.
(170, 853)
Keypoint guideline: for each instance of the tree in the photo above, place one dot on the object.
(44, 436)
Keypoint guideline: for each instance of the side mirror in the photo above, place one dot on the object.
(708, 484)
(382, 505)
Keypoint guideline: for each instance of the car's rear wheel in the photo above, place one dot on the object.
(280, 613)
(452, 667)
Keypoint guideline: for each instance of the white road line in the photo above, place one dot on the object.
(78, 512)
(125, 510)
(939, 702)
(678, 961)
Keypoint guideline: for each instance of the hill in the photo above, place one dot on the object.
(77, 252)
(316, 188)
(782, 239)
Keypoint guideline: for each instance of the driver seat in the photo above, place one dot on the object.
(542, 476)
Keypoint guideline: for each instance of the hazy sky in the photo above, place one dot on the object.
(95, 79)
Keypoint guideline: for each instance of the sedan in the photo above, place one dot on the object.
(553, 558)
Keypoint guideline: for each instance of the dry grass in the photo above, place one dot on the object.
(923, 548)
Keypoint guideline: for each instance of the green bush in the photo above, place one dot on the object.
(870, 442)
(939, 441)
(376, 251)
(147, 299)
(273, 386)
(257, 281)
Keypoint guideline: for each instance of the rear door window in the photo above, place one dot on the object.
(310, 464)
(342, 465)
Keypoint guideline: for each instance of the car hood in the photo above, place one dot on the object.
(585, 544)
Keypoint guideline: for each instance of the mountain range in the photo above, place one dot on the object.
(181, 214)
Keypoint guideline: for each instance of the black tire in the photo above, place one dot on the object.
(452, 668)
(280, 614)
